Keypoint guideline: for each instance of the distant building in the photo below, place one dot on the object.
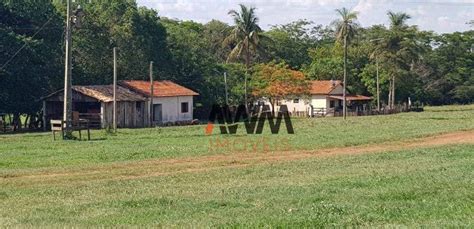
(95, 103)
(171, 102)
(325, 98)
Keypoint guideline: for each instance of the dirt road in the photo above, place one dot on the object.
(161, 167)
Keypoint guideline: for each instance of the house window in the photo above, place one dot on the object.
(138, 106)
(332, 104)
(296, 100)
(185, 107)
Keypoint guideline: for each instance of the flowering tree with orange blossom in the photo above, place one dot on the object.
(277, 81)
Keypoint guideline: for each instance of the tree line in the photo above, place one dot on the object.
(429, 68)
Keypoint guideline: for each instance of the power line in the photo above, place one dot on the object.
(24, 45)
(35, 28)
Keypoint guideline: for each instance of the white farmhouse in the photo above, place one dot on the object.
(325, 98)
(171, 102)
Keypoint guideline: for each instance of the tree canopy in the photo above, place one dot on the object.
(277, 81)
(425, 66)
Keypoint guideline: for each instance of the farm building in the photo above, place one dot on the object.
(325, 98)
(171, 102)
(95, 103)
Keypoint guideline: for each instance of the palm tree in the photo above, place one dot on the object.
(397, 25)
(245, 36)
(398, 20)
(346, 28)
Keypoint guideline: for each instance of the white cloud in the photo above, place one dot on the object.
(440, 16)
(443, 19)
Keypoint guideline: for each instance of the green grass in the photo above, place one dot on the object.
(37, 151)
(422, 187)
(450, 108)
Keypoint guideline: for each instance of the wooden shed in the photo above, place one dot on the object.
(95, 103)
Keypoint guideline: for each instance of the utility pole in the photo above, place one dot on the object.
(378, 85)
(344, 109)
(73, 18)
(115, 91)
(225, 85)
(151, 94)
(67, 108)
(377, 67)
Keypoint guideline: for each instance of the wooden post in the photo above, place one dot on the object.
(88, 131)
(115, 92)
(151, 94)
(390, 94)
(225, 85)
(44, 115)
(344, 109)
(62, 128)
(378, 85)
(67, 109)
(393, 91)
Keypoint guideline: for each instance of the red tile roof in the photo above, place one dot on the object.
(351, 97)
(323, 87)
(163, 88)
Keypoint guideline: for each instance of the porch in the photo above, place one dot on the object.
(357, 105)
(95, 104)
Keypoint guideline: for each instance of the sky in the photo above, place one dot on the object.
(441, 16)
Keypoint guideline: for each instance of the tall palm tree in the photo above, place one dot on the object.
(245, 36)
(346, 28)
(397, 26)
(398, 20)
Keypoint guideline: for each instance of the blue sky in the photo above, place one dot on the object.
(441, 16)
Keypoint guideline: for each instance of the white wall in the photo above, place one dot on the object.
(319, 101)
(171, 108)
(301, 106)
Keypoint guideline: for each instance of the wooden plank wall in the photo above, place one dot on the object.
(128, 116)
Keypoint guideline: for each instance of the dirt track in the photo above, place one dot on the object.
(151, 168)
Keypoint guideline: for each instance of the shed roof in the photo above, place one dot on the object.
(351, 97)
(163, 88)
(323, 87)
(105, 93)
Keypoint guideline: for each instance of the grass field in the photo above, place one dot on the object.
(42, 181)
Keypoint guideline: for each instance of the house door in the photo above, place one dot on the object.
(157, 113)
(139, 114)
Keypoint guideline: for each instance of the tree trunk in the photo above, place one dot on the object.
(26, 121)
(389, 104)
(344, 110)
(33, 122)
(16, 123)
(393, 92)
(247, 65)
